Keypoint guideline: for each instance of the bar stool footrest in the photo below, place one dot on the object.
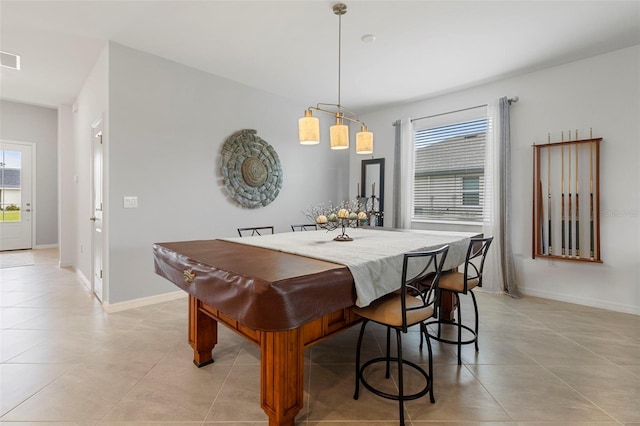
(396, 397)
(472, 339)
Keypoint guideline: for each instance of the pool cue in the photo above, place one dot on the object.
(570, 202)
(549, 250)
(577, 205)
(540, 215)
(591, 193)
(562, 179)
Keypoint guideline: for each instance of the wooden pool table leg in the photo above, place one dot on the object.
(281, 375)
(447, 306)
(203, 334)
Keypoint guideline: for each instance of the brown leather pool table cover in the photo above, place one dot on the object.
(260, 288)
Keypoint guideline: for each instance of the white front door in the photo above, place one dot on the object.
(16, 204)
(96, 206)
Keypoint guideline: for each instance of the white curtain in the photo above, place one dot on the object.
(403, 174)
(499, 275)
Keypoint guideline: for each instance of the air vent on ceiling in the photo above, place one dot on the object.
(9, 60)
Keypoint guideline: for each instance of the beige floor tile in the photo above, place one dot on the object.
(549, 348)
(248, 353)
(331, 396)
(241, 389)
(84, 393)
(16, 298)
(616, 348)
(15, 342)
(89, 423)
(609, 387)
(611, 423)
(459, 397)
(633, 369)
(179, 423)
(64, 362)
(68, 300)
(60, 347)
(341, 349)
(11, 317)
(171, 392)
(19, 381)
(532, 393)
(352, 423)
(494, 349)
(431, 423)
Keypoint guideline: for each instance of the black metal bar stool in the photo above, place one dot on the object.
(255, 230)
(412, 305)
(463, 283)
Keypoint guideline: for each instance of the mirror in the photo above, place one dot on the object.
(372, 189)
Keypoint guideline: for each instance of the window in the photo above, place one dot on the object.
(449, 171)
(10, 188)
(471, 190)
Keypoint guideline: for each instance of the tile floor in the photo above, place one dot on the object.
(66, 362)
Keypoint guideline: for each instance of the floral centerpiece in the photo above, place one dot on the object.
(348, 214)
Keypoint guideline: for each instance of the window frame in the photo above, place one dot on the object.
(459, 208)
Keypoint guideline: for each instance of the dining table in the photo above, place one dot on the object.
(289, 291)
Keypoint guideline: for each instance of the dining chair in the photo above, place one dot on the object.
(462, 283)
(411, 305)
(255, 230)
(304, 227)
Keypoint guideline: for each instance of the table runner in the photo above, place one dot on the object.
(374, 257)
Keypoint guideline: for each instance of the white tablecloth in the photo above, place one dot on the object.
(374, 257)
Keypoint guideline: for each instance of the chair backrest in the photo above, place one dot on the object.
(417, 268)
(304, 227)
(255, 230)
(474, 263)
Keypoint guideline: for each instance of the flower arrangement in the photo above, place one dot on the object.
(348, 214)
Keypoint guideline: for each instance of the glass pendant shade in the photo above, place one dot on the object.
(309, 129)
(339, 135)
(364, 141)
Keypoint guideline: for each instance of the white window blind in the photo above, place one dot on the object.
(449, 171)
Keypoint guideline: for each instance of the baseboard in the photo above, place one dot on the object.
(45, 246)
(84, 279)
(593, 303)
(145, 301)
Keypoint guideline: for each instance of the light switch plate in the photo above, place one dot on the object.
(130, 202)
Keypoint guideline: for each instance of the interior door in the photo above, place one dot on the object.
(16, 180)
(96, 208)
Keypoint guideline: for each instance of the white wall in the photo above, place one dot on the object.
(66, 201)
(602, 93)
(92, 105)
(29, 123)
(167, 124)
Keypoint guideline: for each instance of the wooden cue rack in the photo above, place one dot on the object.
(566, 199)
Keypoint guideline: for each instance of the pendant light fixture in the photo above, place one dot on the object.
(309, 126)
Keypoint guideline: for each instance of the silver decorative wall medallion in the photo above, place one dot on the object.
(250, 169)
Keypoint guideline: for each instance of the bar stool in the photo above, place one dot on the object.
(411, 305)
(304, 227)
(255, 230)
(463, 283)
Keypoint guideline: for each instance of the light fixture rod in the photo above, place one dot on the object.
(339, 9)
(334, 113)
(339, 55)
(340, 108)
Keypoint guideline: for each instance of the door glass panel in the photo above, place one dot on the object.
(10, 186)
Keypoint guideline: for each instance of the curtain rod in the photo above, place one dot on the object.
(449, 112)
(510, 100)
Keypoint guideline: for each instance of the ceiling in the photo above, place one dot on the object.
(290, 48)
